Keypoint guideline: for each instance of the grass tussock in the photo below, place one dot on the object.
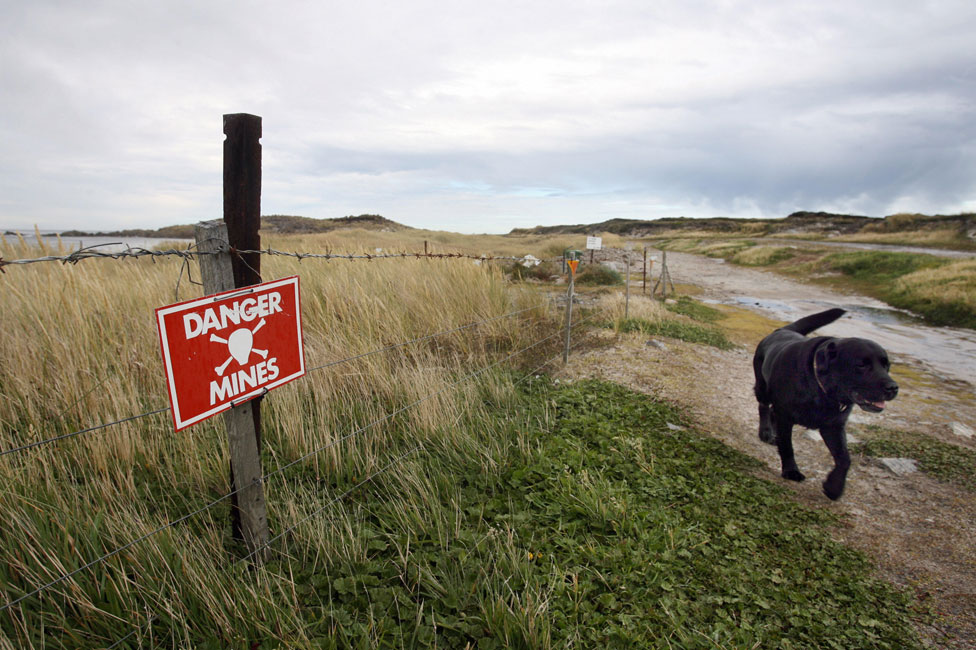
(694, 310)
(946, 294)
(937, 238)
(613, 306)
(685, 319)
(595, 275)
(941, 291)
(763, 255)
(677, 329)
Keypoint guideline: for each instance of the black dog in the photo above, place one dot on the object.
(814, 383)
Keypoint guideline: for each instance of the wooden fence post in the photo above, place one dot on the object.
(569, 314)
(627, 281)
(665, 278)
(242, 194)
(242, 215)
(644, 274)
(249, 512)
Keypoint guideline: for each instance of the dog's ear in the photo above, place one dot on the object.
(826, 355)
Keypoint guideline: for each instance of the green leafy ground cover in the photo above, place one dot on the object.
(600, 526)
(695, 310)
(676, 329)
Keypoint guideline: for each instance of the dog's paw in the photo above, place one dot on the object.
(793, 475)
(833, 492)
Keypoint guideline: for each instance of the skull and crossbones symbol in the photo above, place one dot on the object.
(240, 344)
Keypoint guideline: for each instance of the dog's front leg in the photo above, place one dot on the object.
(784, 444)
(836, 441)
(767, 430)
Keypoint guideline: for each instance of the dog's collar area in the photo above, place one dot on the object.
(816, 375)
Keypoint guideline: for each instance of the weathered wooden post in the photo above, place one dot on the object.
(242, 214)
(627, 281)
(569, 308)
(664, 278)
(224, 268)
(249, 520)
(644, 274)
(664, 273)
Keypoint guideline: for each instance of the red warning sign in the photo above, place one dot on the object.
(572, 265)
(223, 350)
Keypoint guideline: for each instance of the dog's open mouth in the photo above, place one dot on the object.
(869, 405)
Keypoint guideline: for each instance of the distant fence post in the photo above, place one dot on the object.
(644, 274)
(627, 281)
(569, 314)
(665, 278)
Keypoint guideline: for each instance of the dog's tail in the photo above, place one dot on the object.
(815, 321)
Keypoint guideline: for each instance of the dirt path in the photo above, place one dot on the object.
(920, 532)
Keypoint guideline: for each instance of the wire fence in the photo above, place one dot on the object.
(12, 603)
(98, 427)
(188, 254)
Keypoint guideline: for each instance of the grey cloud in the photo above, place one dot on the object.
(498, 111)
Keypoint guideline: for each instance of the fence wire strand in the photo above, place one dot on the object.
(320, 367)
(78, 433)
(136, 252)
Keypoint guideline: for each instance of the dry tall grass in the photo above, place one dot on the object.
(542, 246)
(952, 285)
(78, 347)
(934, 238)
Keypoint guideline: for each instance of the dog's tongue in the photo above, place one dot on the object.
(878, 405)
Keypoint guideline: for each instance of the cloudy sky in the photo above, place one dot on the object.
(487, 115)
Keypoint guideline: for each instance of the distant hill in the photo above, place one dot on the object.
(280, 223)
(798, 223)
(276, 223)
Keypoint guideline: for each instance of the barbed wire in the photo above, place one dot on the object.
(89, 252)
(175, 522)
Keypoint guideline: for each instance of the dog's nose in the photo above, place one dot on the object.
(891, 390)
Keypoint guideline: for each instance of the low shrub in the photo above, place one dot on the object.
(763, 255)
(598, 275)
(694, 310)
